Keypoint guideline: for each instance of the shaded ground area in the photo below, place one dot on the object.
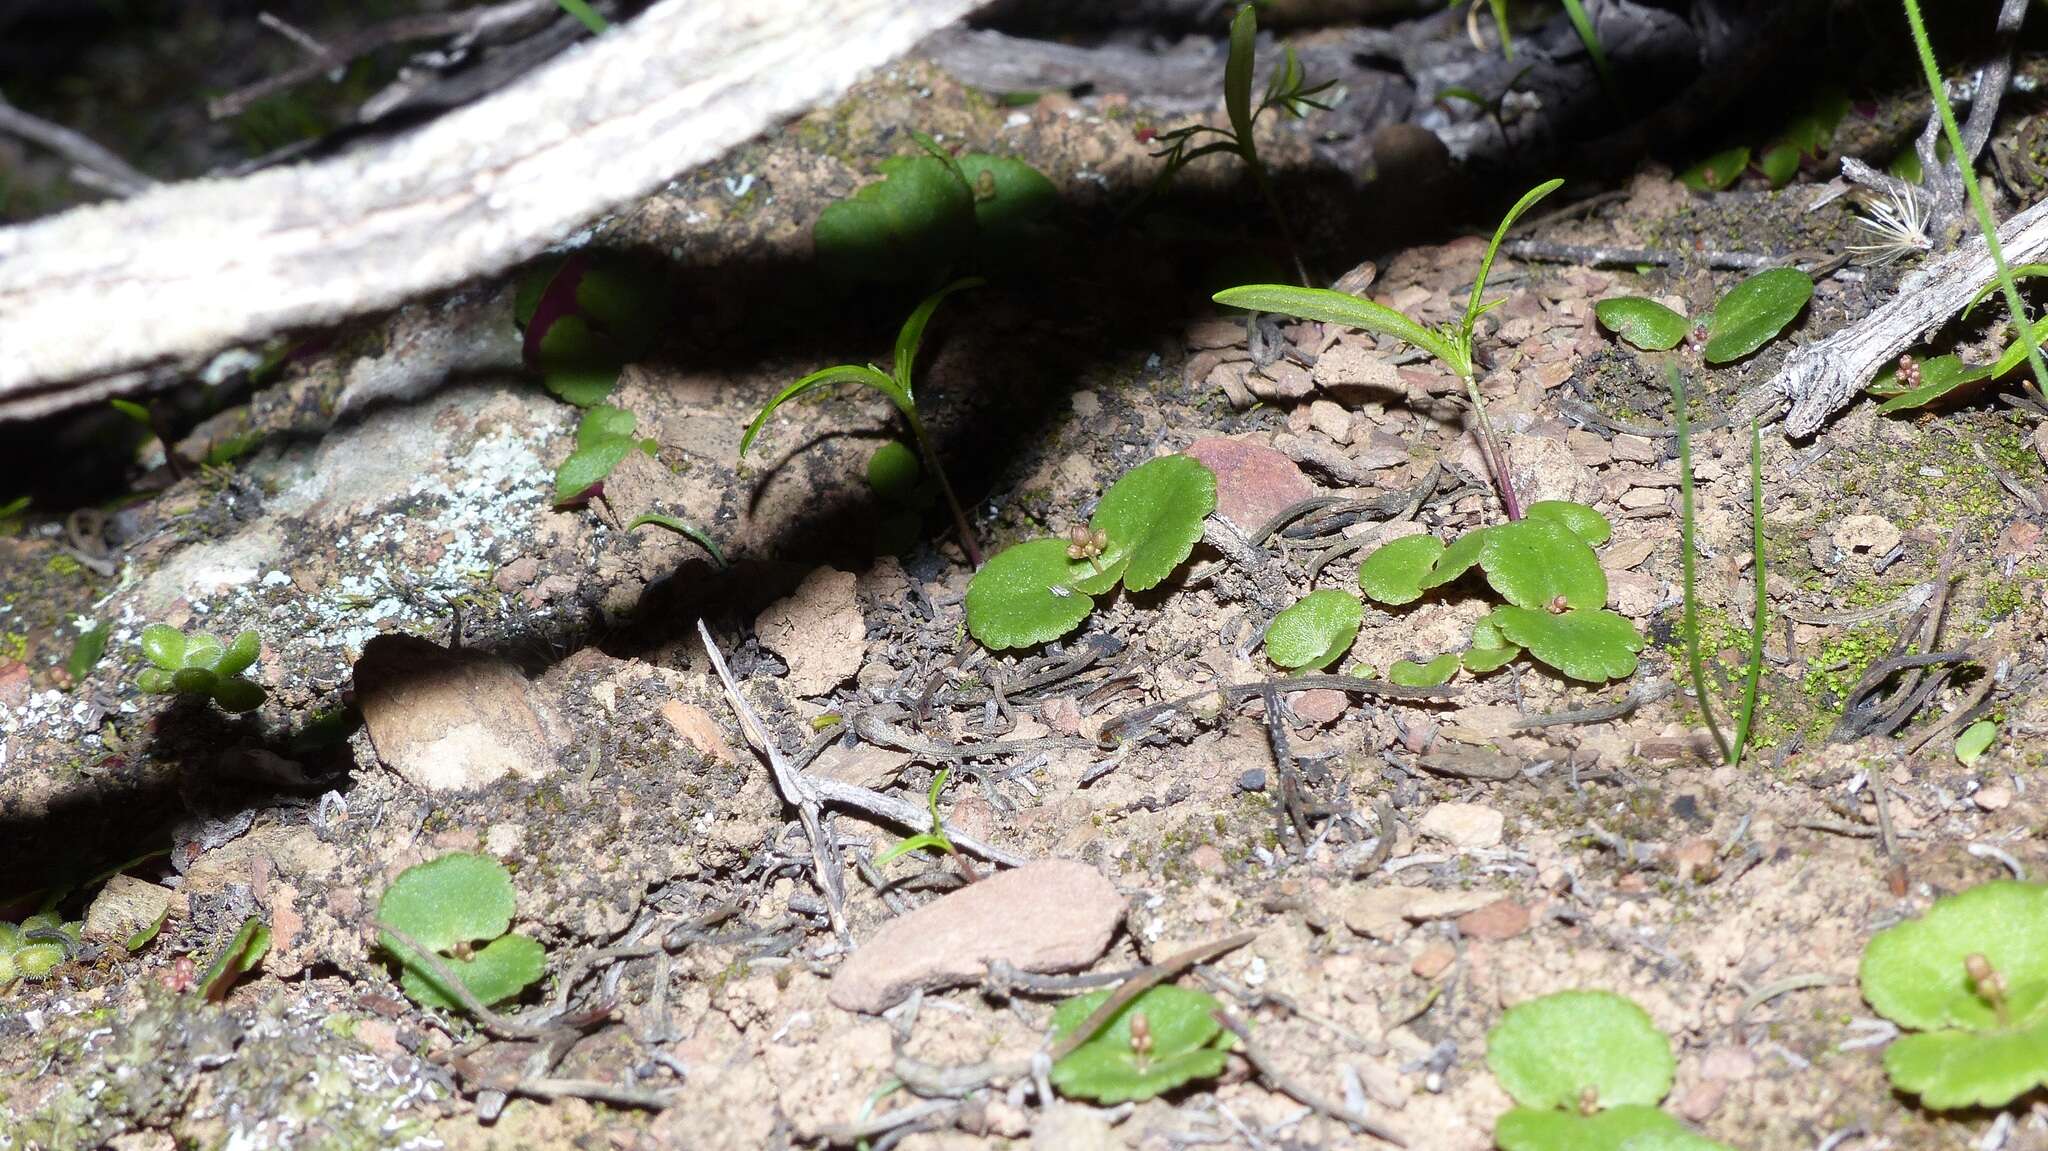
(1461, 856)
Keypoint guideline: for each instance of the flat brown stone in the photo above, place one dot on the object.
(446, 721)
(1054, 915)
(1252, 481)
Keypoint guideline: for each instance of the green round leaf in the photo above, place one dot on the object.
(1152, 516)
(1590, 645)
(1549, 1052)
(907, 227)
(893, 472)
(1975, 741)
(1481, 660)
(1939, 375)
(155, 680)
(1755, 311)
(194, 680)
(1779, 163)
(1435, 673)
(576, 364)
(1716, 172)
(233, 693)
(1584, 522)
(164, 646)
(622, 302)
(1949, 1069)
(603, 438)
(1394, 572)
(35, 960)
(1024, 596)
(1458, 558)
(1914, 974)
(1187, 1044)
(1008, 193)
(1534, 561)
(1315, 631)
(458, 898)
(498, 971)
(1643, 322)
(203, 651)
(239, 654)
(1630, 1128)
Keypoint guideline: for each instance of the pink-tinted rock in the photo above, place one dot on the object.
(1252, 481)
(1318, 705)
(1054, 915)
(1503, 919)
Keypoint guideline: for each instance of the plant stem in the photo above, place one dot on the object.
(1985, 223)
(931, 460)
(1494, 452)
(1250, 153)
(1745, 719)
(1691, 624)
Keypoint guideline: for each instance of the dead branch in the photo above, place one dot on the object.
(1821, 378)
(112, 172)
(90, 298)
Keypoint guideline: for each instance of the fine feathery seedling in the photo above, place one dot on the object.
(896, 384)
(201, 667)
(1745, 715)
(1451, 344)
(1287, 91)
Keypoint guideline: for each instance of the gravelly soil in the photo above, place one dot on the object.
(1731, 902)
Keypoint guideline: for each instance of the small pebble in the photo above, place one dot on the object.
(1253, 780)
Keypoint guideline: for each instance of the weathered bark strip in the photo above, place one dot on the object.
(1822, 378)
(89, 297)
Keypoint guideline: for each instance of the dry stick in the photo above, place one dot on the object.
(1287, 1085)
(1142, 981)
(451, 983)
(1637, 696)
(796, 789)
(1820, 378)
(1283, 765)
(1230, 693)
(467, 23)
(1597, 255)
(116, 176)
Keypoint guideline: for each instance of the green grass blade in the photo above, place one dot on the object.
(1500, 21)
(1753, 675)
(1472, 306)
(1691, 624)
(1237, 72)
(911, 337)
(585, 15)
(681, 528)
(837, 374)
(1591, 39)
(1339, 308)
(1985, 223)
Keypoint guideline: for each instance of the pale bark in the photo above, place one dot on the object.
(92, 297)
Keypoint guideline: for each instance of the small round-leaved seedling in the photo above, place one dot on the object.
(604, 438)
(1643, 322)
(1550, 1053)
(201, 666)
(1393, 573)
(1755, 311)
(1590, 645)
(460, 907)
(1144, 527)
(1315, 631)
(1630, 1128)
(1970, 979)
(1434, 673)
(906, 228)
(1163, 1038)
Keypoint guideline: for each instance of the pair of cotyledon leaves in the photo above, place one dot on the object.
(1034, 592)
(1748, 317)
(448, 905)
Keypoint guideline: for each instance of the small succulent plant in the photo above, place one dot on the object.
(1750, 315)
(1587, 1070)
(1970, 980)
(458, 906)
(1544, 566)
(1144, 527)
(1164, 1037)
(35, 947)
(200, 666)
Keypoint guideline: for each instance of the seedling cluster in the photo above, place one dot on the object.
(200, 667)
